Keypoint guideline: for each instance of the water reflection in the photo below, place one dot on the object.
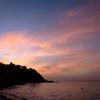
(55, 91)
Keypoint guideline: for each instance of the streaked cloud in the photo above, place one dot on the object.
(68, 50)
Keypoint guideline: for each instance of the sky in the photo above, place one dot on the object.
(58, 38)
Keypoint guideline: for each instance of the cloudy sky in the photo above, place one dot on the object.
(59, 38)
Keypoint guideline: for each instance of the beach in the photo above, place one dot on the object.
(53, 91)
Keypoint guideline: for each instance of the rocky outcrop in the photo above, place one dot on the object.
(11, 74)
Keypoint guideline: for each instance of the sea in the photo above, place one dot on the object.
(53, 91)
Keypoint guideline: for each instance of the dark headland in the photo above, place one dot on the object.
(11, 74)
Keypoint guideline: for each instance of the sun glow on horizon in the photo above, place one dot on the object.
(59, 42)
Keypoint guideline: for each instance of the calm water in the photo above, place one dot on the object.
(55, 91)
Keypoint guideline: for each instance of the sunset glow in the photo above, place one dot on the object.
(59, 41)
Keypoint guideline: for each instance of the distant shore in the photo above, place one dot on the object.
(11, 74)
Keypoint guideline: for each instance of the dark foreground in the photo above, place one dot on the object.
(3, 97)
(11, 74)
(53, 91)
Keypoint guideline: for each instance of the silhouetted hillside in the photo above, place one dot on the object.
(11, 74)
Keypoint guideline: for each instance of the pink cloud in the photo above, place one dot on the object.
(69, 42)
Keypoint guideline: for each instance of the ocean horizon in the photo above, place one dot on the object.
(49, 49)
(53, 91)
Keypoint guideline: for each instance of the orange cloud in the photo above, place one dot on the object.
(18, 45)
(69, 50)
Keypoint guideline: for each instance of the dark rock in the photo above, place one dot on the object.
(82, 88)
(11, 74)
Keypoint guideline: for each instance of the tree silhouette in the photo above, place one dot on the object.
(11, 74)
